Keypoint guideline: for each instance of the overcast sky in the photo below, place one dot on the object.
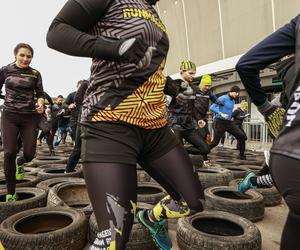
(28, 21)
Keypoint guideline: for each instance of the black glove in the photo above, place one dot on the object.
(274, 119)
(187, 94)
(60, 113)
(220, 103)
(120, 50)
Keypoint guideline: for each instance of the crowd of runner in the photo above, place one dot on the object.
(119, 117)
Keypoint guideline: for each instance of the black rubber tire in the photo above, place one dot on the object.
(28, 181)
(38, 198)
(249, 205)
(237, 171)
(150, 192)
(223, 154)
(240, 234)
(70, 194)
(210, 177)
(56, 165)
(58, 171)
(139, 239)
(253, 168)
(49, 183)
(72, 232)
(42, 160)
(224, 162)
(31, 170)
(271, 195)
(252, 160)
(142, 176)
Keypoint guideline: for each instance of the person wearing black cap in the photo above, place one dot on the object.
(223, 122)
(182, 110)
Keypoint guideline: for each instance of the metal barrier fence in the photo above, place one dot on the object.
(256, 131)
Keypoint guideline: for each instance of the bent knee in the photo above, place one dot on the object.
(293, 203)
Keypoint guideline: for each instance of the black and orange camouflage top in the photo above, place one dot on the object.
(118, 91)
(22, 87)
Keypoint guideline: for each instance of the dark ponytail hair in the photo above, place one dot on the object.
(23, 45)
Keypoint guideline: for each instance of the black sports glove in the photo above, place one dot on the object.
(220, 103)
(61, 113)
(121, 50)
(274, 119)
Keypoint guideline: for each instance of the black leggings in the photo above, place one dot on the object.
(286, 175)
(221, 126)
(75, 155)
(13, 124)
(112, 189)
(44, 125)
(194, 137)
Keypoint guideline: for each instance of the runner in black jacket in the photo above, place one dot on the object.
(20, 114)
(181, 112)
(285, 151)
(123, 116)
(78, 100)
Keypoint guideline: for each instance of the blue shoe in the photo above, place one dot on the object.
(158, 231)
(56, 142)
(246, 184)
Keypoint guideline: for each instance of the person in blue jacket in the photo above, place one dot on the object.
(223, 120)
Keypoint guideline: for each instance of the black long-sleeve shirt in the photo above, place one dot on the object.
(181, 113)
(279, 44)
(202, 103)
(119, 91)
(22, 86)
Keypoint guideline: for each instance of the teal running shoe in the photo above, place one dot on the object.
(158, 231)
(246, 184)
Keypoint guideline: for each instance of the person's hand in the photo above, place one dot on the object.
(146, 60)
(184, 85)
(225, 116)
(208, 138)
(47, 111)
(132, 50)
(201, 123)
(274, 120)
(72, 106)
(39, 108)
(220, 103)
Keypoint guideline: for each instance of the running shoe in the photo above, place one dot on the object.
(158, 231)
(56, 142)
(246, 184)
(20, 172)
(10, 197)
(207, 164)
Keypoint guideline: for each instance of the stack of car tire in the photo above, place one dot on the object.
(53, 210)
